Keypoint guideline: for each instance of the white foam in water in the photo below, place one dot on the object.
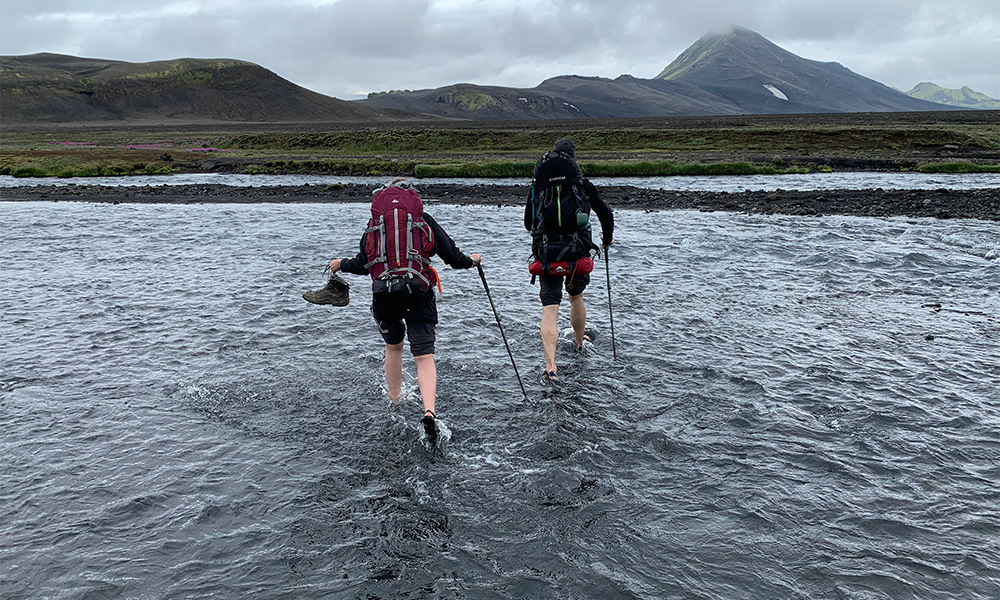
(444, 433)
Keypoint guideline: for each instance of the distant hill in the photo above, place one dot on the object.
(566, 97)
(733, 72)
(965, 97)
(58, 88)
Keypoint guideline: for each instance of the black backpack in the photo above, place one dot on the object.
(561, 223)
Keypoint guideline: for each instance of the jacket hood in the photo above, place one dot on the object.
(566, 146)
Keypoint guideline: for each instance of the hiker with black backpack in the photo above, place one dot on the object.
(396, 249)
(557, 214)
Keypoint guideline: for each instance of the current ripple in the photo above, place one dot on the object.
(801, 408)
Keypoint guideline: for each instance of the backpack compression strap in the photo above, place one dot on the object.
(379, 230)
(573, 243)
(413, 258)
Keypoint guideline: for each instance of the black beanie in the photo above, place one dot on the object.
(566, 146)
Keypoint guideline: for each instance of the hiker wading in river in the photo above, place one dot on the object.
(557, 214)
(395, 251)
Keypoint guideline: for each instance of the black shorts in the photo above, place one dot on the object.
(550, 287)
(412, 314)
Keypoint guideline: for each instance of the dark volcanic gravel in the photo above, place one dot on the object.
(941, 203)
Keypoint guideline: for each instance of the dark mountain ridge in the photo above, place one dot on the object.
(745, 67)
(734, 72)
(58, 88)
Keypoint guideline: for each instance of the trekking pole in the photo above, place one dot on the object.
(611, 314)
(497, 315)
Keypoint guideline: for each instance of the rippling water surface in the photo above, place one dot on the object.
(800, 408)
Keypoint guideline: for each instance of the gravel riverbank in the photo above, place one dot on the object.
(940, 203)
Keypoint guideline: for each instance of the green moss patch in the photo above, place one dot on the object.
(958, 167)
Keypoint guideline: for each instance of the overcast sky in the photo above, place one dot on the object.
(348, 48)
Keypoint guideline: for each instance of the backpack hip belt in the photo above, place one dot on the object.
(582, 265)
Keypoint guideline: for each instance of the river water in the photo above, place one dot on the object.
(714, 183)
(799, 408)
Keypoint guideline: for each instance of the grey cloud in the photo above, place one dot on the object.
(350, 47)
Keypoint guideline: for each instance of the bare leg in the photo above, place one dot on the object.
(426, 380)
(394, 370)
(577, 317)
(550, 335)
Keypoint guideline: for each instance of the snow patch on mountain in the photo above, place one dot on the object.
(777, 93)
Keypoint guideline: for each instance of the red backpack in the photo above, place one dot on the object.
(398, 241)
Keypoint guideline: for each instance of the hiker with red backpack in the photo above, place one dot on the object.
(557, 214)
(395, 251)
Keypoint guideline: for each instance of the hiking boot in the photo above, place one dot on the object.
(336, 293)
(430, 425)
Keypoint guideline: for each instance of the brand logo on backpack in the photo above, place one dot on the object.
(561, 211)
(398, 241)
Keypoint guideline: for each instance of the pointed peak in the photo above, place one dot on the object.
(738, 30)
(735, 45)
(733, 32)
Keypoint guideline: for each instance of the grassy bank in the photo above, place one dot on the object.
(958, 167)
(365, 167)
(961, 142)
(617, 140)
(86, 169)
(505, 169)
(89, 161)
(524, 169)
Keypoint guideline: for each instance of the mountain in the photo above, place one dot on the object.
(59, 88)
(566, 97)
(729, 73)
(734, 72)
(761, 77)
(965, 97)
